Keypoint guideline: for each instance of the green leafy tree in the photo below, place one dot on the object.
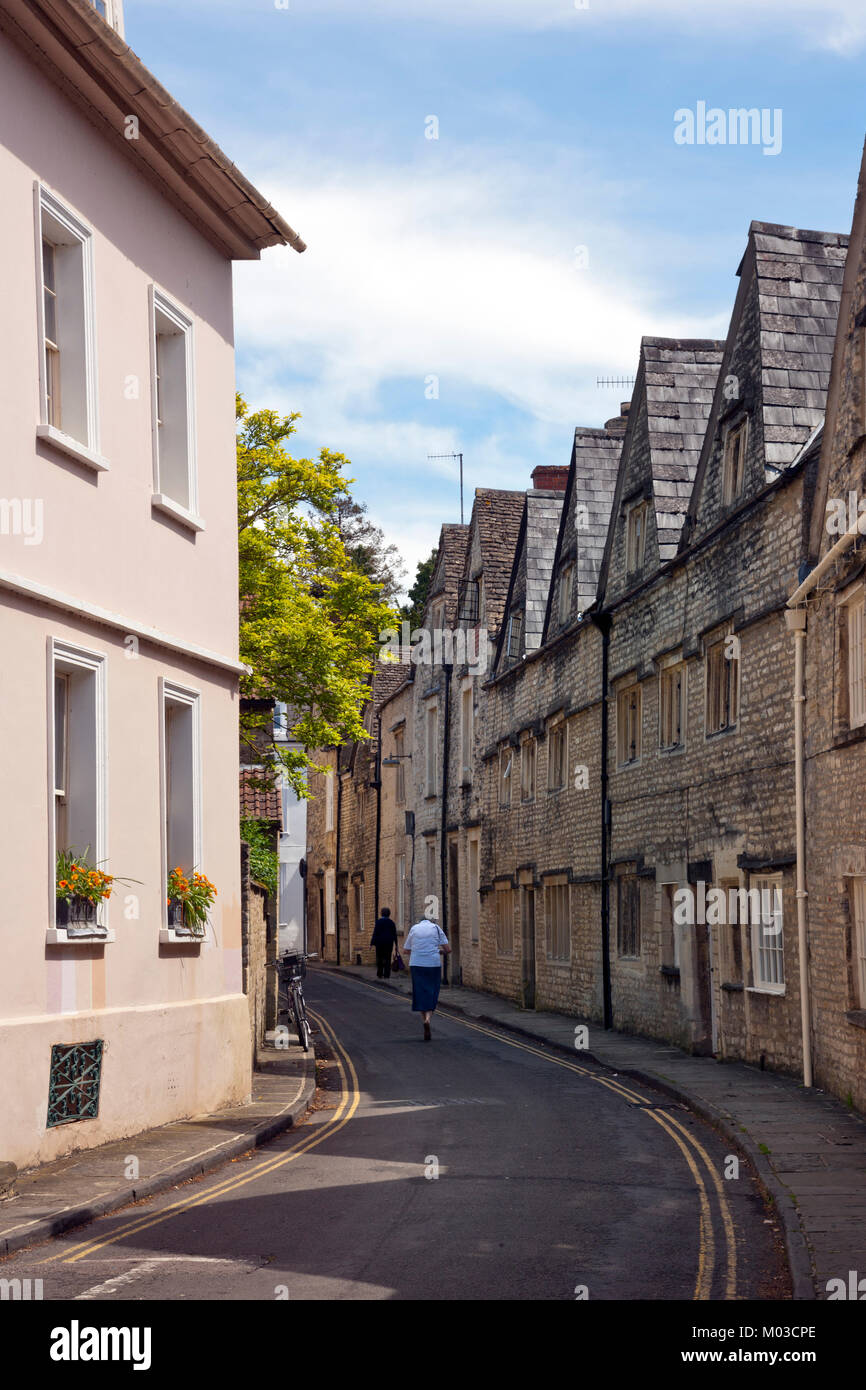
(413, 611)
(309, 617)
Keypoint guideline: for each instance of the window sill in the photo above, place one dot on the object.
(67, 445)
(773, 991)
(721, 733)
(672, 751)
(856, 734)
(169, 937)
(161, 503)
(56, 936)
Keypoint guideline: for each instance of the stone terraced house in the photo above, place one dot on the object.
(826, 614)
(613, 827)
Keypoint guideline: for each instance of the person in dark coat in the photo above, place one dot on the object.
(384, 938)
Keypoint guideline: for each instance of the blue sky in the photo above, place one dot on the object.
(457, 258)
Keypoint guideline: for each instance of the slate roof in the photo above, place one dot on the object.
(680, 378)
(784, 325)
(531, 572)
(595, 462)
(543, 512)
(799, 277)
(497, 514)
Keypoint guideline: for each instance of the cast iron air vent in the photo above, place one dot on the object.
(73, 1090)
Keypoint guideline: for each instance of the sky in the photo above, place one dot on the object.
(498, 203)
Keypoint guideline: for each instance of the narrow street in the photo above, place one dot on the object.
(556, 1180)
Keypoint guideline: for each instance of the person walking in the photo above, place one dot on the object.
(384, 939)
(426, 944)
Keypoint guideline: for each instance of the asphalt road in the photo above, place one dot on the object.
(476, 1166)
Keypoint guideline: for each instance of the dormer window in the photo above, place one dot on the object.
(111, 11)
(470, 605)
(635, 549)
(512, 640)
(734, 472)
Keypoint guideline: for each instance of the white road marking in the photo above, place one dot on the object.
(110, 1286)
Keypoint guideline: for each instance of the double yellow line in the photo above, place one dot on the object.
(682, 1137)
(349, 1101)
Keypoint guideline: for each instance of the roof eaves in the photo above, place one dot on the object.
(95, 68)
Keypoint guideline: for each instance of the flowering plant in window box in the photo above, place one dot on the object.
(80, 888)
(190, 896)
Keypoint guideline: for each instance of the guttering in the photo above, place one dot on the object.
(802, 592)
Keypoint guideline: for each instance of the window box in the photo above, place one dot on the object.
(78, 917)
(178, 925)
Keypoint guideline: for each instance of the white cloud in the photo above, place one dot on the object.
(464, 272)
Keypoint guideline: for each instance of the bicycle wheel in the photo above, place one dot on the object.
(301, 1024)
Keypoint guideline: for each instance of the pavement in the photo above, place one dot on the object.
(807, 1149)
(73, 1190)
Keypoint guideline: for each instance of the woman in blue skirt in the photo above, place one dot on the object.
(426, 943)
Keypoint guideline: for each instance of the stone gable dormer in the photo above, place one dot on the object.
(772, 385)
(583, 523)
(671, 402)
(522, 627)
(493, 531)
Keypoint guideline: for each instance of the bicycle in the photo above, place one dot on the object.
(290, 997)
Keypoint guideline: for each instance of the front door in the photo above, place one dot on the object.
(528, 915)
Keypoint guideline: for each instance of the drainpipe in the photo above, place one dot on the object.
(795, 620)
(443, 848)
(603, 623)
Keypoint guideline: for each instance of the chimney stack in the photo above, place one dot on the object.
(617, 425)
(550, 476)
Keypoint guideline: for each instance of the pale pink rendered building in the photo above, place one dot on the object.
(118, 584)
